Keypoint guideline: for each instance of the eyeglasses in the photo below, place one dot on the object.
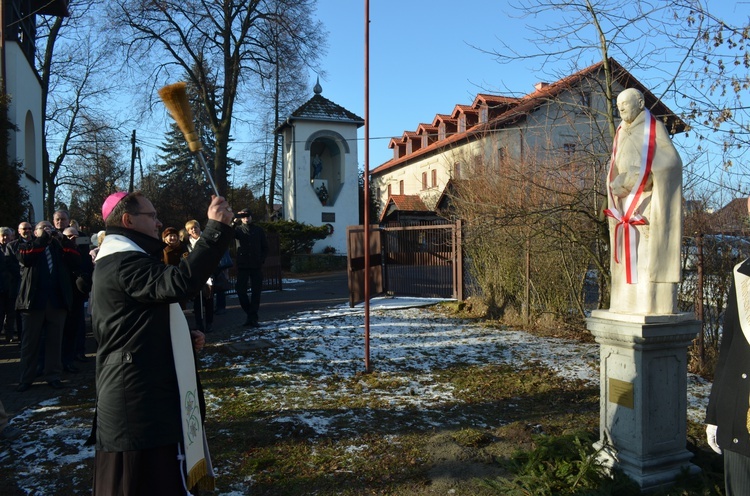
(26, 229)
(71, 236)
(149, 214)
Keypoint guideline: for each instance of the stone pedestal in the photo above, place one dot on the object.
(643, 401)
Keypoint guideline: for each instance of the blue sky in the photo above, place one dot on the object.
(421, 63)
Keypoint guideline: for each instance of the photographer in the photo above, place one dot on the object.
(252, 249)
(44, 300)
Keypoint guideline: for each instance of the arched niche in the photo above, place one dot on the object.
(327, 163)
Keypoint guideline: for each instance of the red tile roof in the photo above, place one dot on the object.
(409, 203)
(519, 108)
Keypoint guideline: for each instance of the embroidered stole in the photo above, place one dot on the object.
(197, 458)
(742, 287)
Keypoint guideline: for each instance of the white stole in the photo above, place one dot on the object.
(742, 287)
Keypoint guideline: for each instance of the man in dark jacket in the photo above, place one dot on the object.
(148, 427)
(251, 254)
(10, 279)
(728, 413)
(44, 300)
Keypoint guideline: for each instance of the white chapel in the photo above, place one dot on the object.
(321, 179)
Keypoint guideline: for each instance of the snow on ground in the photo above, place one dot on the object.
(311, 348)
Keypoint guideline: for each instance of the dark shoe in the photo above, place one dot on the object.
(81, 358)
(71, 368)
(10, 433)
(24, 386)
(56, 384)
(251, 323)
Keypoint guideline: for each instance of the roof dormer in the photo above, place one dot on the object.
(490, 106)
(413, 141)
(466, 117)
(399, 148)
(428, 133)
(446, 125)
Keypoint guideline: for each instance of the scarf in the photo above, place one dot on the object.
(196, 456)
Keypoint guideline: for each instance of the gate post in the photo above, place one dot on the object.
(458, 261)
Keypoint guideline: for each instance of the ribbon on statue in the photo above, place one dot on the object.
(628, 219)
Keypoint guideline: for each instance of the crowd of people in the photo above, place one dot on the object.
(48, 270)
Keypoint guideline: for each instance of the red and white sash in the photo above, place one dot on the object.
(628, 219)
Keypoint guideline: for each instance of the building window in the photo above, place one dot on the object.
(484, 114)
(569, 148)
(401, 187)
(615, 110)
(457, 170)
(462, 123)
(434, 178)
(424, 180)
(389, 191)
(584, 102)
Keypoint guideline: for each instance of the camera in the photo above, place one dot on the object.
(242, 215)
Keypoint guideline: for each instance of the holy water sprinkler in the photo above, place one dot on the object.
(175, 99)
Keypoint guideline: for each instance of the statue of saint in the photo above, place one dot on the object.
(645, 212)
(317, 166)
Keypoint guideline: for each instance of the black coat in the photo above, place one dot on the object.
(38, 286)
(137, 392)
(730, 393)
(252, 246)
(12, 267)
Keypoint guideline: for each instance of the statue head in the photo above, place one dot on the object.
(630, 103)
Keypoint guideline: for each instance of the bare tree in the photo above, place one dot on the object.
(229, 35)
(76, 80)
(283, 92)
(691, 59)
(95, 170)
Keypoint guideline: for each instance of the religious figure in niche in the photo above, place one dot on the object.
(645, 212)
(317, 166)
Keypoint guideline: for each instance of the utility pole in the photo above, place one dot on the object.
(132, 162)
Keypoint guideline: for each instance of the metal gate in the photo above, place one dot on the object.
(423, 261)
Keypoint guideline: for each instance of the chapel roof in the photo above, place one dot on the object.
(320, 108)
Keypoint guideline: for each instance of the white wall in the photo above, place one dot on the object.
(26, 113)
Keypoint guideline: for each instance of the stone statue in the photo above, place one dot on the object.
(317, 166)
(645, 212)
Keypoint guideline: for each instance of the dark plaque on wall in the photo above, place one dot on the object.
(328, 217)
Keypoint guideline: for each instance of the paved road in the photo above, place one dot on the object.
(311, 292)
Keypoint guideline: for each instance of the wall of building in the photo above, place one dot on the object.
(557, 132)
(25, 113)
